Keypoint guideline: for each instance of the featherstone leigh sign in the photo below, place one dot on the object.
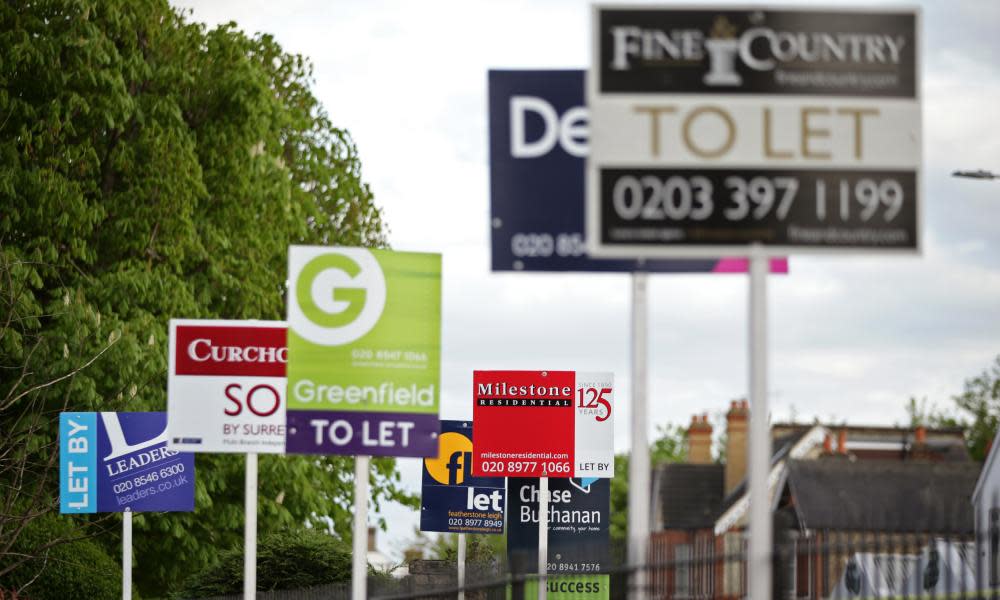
(226, 388)
(452, 499)
(543, 423)
(712, 129)
(364, 343)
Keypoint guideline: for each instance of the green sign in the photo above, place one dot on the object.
(364, 351)
(571, 587)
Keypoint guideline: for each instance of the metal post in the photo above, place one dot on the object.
(543, 537)
(638, 470)
(127, 554)
(461, 566)
(759, 440)
(250, 530)
(359, 572)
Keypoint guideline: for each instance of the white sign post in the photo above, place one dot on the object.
(359, 562)
(225, 393)
(543, 537)
(250, 530)
(127, 555)
(753, 131)
(461, 566)
(638, 469)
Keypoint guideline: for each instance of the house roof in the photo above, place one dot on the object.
(693, 496)
(690, 495)
(881, 495)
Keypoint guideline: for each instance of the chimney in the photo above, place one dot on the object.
(371, 539)
(700, 441)
(736, 444)
(842, 442)
(920, 435)
(827, 444)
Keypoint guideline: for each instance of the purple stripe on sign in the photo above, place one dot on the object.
(361, 433)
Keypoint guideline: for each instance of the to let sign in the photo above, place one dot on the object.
(543, 423)
(452, 499)
(364, 351)
(114, 462)
(226, 389)
(714, 129)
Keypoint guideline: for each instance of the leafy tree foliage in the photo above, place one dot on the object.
(76, 568)
(153, 168)
(286, 560)
(980, 403)
(976, 410)
(670, 446)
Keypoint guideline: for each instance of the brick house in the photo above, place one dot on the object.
(827, 484)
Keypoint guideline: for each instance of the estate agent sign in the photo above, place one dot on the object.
(543, 423)
(579, 521)
(712, 129)
(226, 386)
(113, 462)
(452, 499)
(364, 343)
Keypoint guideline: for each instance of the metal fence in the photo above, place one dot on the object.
(699, 565)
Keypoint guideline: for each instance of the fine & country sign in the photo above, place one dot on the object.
(716, 128)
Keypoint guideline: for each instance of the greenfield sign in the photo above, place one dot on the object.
(364, 343)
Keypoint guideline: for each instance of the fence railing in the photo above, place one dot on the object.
(699, 565)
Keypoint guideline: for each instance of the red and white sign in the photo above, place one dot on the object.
(543, 423)
(226, 387)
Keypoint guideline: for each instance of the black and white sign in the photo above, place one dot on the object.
(715, 129)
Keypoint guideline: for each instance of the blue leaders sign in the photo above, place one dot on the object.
(113, 462)
(538, 146)
(452, 500)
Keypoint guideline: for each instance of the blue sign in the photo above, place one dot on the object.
(579, 521)
(113, 462)
(538, 146)
(452, 500)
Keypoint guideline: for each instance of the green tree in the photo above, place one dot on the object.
(670, 446)
(153, 168)
(286, 560)
(979, 406)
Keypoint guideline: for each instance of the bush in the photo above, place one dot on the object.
(80, 569)
(285, 561)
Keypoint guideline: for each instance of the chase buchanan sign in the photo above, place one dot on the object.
(578, 548)
(452, 499)
(714, 129)
(364, 344)
(543, 423)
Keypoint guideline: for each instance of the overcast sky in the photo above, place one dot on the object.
(851, 338)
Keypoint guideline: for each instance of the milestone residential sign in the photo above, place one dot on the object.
(226, 386)
(364, 351)
(543, 423)
(712, 129)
